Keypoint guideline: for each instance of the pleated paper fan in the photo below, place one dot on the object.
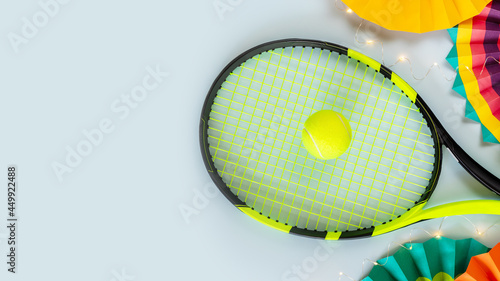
(439, 258)
(476, 46)
(484, 267)
(416, 15)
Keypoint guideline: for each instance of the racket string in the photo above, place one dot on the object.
(364, 138)
(310, 192)
(290, 92)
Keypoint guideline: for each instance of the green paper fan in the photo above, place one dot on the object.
(439, 258)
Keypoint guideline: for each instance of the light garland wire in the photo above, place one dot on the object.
(399, 60)
(437, 234)
(372, 42)
(476, 95)
(343, 9)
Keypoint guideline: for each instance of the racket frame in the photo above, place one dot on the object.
(438, 134)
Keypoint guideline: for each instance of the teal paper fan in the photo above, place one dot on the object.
(439, 258)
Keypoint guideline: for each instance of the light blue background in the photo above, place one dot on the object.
(117, 215)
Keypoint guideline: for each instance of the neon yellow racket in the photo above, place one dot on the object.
(250, 134)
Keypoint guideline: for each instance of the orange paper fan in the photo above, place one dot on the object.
(484, 267)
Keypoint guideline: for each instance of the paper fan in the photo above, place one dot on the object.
(475, 55)
(417, 15)
(483, 267)
(436, 259)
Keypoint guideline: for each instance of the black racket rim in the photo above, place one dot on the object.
(438, 133)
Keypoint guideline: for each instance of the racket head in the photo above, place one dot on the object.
(270, 218)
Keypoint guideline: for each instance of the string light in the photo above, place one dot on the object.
(485, 61)
(369, 41)
(435, 64)
(441, 226)
(482, 68)
(376, 263)
(472, 224)
(370, 261)
(487, 229)
(438, 234)
(343, 9)
(421, 229)
(372, 42)
(400, 59)
(341, 274)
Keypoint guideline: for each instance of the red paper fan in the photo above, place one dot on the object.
(476, 55)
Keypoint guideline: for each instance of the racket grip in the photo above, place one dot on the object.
(418, 213)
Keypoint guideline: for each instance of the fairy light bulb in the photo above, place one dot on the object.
(437, 235)
(349, 11)
(403, 58)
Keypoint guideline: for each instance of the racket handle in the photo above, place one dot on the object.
(418, 213)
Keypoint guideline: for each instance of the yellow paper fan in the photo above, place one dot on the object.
(416, 15)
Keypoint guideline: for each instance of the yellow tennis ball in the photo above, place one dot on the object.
(326, 134)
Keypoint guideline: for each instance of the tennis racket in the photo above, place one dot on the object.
(250, 136)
